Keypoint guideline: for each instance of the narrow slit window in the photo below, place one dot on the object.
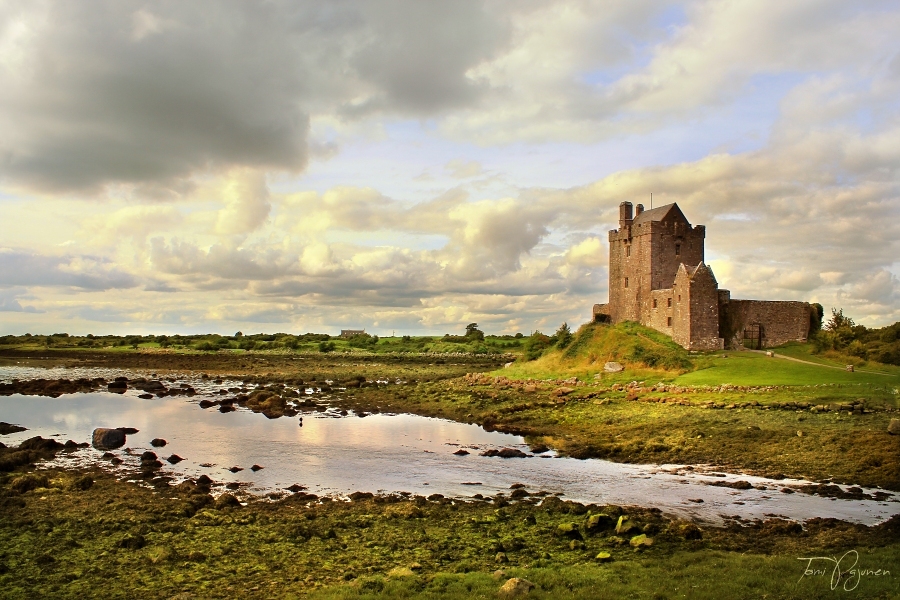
(669, 321)
(627, 250)
(669, 301)
(677, 249)
(654, 303)
(626, 282)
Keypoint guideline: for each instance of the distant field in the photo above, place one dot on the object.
(746, 368)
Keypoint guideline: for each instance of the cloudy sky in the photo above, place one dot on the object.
(414, 166)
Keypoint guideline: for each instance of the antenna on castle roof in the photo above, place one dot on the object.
(651, 200)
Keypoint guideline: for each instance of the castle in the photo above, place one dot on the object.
(657, 277)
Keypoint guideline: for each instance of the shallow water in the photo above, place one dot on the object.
(391, 453)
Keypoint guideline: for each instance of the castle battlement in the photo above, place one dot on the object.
(658, 277)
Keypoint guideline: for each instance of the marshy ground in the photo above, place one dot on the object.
(61, 536)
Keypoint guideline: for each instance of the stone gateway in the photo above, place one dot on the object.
(657, 277)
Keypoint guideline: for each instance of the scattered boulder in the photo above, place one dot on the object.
(613, 367)
(568, 530)
(174, 459)
(256, 468)
(158, 442)
(28, 482)
(117, 387)
(624, 525)
(6, 428)
(40, 444)
(83, 483)
(599, 522)
(894, 427)
(148, 456)
(461, 452)
(641, 541)
(235, 469)
(688, 531)
(511, 453)
(515, 588)
(604, 557)
(227, 501)
(563, 391)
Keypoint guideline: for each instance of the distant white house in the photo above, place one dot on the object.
(349, 333)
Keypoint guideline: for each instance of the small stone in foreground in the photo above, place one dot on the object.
(107, 439)
(515, 588)
(641, 541)
(894, 427)
(604, 557)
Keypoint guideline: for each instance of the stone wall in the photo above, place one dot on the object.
(663, 312)
(781, 321)
(704, 311)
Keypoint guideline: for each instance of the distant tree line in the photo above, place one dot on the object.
(842, 335)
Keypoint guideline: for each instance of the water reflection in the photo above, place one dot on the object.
(393, 453)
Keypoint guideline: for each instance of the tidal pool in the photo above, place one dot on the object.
(393, 453)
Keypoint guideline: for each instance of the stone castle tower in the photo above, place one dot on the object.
(657, 277)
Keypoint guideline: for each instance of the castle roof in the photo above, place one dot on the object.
(701, 269)
(657, 214)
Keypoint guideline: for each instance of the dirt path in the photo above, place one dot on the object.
(807, 362)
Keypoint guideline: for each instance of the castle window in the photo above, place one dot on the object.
(669, 300)
(669, 321)
(679, 297)
(626, 282)
(677, 249)
(654, 303)
(627, 250)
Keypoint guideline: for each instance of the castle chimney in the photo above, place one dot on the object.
(625, 214)
(638, 209)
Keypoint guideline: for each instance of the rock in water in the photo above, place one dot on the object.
(515, 588)
(6, 428)
(894, 427)
(613, 367)
(107, 439)
(511, 453)
(158, 442)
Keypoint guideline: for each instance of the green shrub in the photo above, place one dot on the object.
(536, 344)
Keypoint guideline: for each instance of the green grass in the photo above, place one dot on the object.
(705, 575)
(748, 368)
(646, 352)
(67, 542)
